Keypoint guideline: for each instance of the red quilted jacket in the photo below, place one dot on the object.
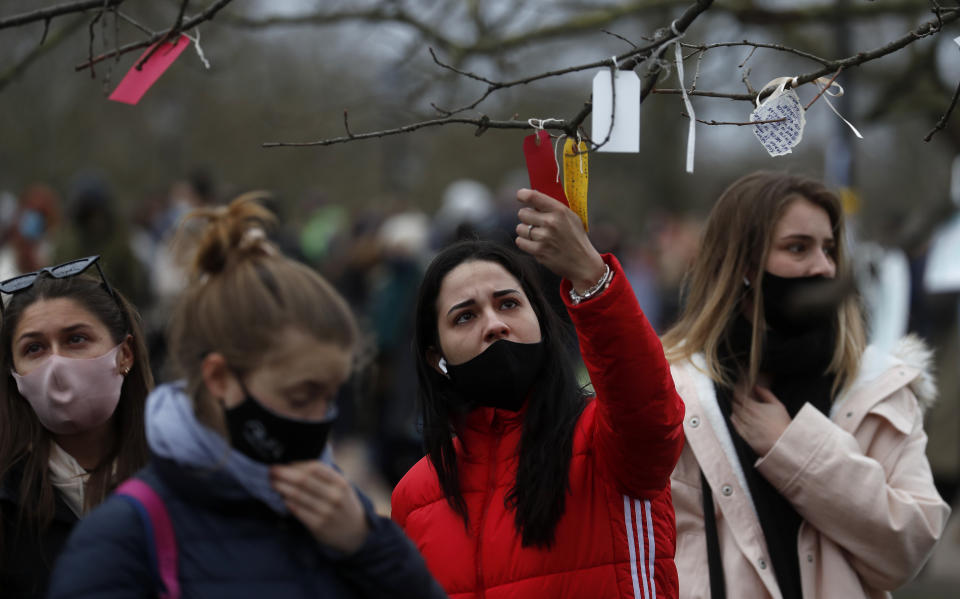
(617, 536)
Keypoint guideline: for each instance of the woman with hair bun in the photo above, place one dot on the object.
(239, 452)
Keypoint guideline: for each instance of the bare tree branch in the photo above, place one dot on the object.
(207, 14)
(630, 59)
(481, 122)
(946, 116)
(52, 41)
(169, 34)
(46, 14)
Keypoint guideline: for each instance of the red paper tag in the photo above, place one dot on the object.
(136, 83)
(542, 166)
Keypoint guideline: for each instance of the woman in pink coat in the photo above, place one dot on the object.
(803, 473)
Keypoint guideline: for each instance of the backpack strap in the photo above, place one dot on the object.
(714, 559)
(156, 521)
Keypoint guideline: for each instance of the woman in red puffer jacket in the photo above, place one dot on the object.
(531, 488)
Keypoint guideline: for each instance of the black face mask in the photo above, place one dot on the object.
(500, 377)
(794, 305)
(270, 438)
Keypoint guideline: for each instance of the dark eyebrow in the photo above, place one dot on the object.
(804, 237)
(470, 302)
(69, 329)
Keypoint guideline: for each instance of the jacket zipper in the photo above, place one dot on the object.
(491, 479)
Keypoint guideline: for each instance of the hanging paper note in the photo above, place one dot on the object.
(136, 82)
(616, 111)
(784, 108)
(542, 165)
(575, 176)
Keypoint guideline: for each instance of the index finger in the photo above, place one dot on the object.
(299, 471)
(539, 201)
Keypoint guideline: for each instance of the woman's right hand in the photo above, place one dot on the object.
(324, 501)
(554, 235)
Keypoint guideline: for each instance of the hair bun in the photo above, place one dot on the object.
(230, 232)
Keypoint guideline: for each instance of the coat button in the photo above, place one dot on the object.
(810, 557)
(695, 422)
(849, 414)
(727, 490)
(763, 564)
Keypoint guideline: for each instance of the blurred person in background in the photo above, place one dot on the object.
(27, 240)
(239, 449)
(803, 472)
(403, 246)
(71, 412)
(96, 225)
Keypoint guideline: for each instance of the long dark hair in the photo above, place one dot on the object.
(553, 408)
(25, 443)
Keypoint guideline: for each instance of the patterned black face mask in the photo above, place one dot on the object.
(268, 437)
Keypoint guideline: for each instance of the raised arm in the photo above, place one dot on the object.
(638, 431)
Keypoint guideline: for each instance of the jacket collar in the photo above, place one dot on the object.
(907, 364)
(492, 421)
(709, 439)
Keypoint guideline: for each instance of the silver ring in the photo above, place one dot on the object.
(530, 232)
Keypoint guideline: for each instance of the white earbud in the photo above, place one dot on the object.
(746, 282)
(442, 365)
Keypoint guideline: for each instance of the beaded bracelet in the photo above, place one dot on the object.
(602, 284)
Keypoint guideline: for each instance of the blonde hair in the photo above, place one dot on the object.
(243, 292)
(735, 245)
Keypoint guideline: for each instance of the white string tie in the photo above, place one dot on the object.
(196, 46)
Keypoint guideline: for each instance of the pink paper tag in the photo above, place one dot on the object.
(542, 166)
(136, 83)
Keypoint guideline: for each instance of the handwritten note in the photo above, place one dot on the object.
(784, 108)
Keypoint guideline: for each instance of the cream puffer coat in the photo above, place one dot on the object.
(859, 479)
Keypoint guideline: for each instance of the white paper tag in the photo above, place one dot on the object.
(956, 40)
(779, 138)
(625, 135)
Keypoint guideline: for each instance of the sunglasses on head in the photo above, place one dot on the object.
(60, 271)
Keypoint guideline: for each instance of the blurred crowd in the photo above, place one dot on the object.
(375, 256)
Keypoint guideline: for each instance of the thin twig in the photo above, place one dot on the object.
(946, 116)
(45, 14)
(749, 56)
(458, 71)
(167, 36)
(822, 90)
(620, 37)
(207, 14)
(478, 122)
(346, 123)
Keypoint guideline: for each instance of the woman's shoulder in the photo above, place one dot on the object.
(907, 365)
(418, 487)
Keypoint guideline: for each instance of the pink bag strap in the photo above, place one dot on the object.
(156, 522)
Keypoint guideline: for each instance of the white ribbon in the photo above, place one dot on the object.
(823, 84)
(196, 46)
(539, 124)
(838, 93)
(692, 131)
(678, 57)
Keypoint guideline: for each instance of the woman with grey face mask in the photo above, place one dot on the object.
(71, 411)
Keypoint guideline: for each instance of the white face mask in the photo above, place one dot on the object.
(73, 395)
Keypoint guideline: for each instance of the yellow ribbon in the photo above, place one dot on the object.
(575, 176)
